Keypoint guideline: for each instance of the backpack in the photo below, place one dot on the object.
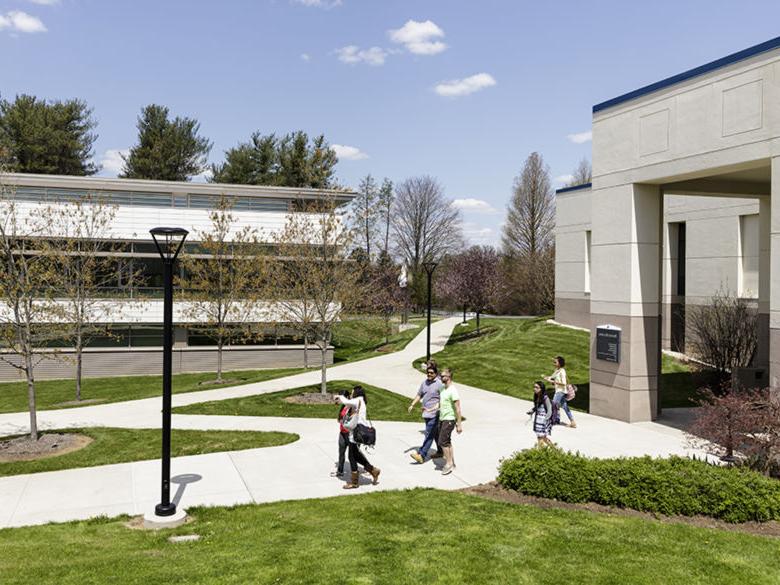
(571, 392)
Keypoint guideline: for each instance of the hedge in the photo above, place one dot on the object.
(665, 486)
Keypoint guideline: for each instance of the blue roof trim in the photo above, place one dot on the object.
(701, 70)
(575, 188)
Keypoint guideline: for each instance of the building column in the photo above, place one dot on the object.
(774, 277)
(764, 272)
(626, 293)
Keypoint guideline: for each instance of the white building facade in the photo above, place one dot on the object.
(685, 201)
(133, 310)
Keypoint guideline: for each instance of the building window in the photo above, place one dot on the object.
(587, 261)
(748, 256)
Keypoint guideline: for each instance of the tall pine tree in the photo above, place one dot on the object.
(167, 150)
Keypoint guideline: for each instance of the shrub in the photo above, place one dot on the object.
(666, 486)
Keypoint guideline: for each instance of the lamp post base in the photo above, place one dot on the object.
(165, 509)
(154, 521)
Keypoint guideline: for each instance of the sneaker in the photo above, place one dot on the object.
(447, 469)
(416, 456)
(572, 424)
(337, 473)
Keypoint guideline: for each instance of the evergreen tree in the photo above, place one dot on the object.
(292, 161)
(167, 150)
(50, 138)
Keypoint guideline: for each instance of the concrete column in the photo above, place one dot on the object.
(774, 278)
(764, 268)
(625, 292)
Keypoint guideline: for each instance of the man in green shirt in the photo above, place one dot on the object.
(449, 418)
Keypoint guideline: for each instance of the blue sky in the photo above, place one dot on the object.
(461, 90)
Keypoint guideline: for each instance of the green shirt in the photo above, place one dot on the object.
(447, 398)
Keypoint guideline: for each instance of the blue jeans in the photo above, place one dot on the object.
(431, 432)
(560, 400)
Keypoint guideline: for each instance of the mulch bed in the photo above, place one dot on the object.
(311, 398)
(47, 445)
(493, 491)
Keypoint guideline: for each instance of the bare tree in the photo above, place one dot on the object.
(385, 202)
(85, 264)
(366, 213)
(384, 295)
(224, 280)
(531, 214)
(28, 306)
(724, 335)
(313, 278)
(426, 226)
(582, 175)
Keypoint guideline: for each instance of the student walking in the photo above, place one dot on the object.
(343, 437)
(428, 394)
(450, 419)
(542, 413)
(561, 382)
(358, 416)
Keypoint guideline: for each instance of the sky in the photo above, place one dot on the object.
(460, 90)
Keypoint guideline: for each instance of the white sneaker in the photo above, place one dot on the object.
(447, 470)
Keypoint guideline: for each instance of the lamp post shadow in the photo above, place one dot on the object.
(182, 481)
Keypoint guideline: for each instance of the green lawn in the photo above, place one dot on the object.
(51, 394)
(113, 445)
(382, 404)
(358, 339)
(398, 538)
(509, 355)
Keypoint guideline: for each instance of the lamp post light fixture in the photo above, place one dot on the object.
(429, 268)
(169, 242)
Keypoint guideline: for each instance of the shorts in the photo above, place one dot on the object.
(445, 432)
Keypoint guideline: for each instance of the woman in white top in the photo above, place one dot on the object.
(560, 381)
(359, 417)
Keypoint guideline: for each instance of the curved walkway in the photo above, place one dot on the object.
(496, 427)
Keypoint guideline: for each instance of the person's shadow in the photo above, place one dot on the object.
(182, 481)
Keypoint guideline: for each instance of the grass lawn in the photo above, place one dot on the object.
(113, 445)
(382, 404)
(509, 355)
(418, 536)
(51, 394)
(358, 339)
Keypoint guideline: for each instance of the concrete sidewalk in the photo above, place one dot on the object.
(496, 427)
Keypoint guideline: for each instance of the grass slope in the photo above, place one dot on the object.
(113, 445)
(50, 394)
(382, 404)
(510, 354)
(359, 339)
(377, 538)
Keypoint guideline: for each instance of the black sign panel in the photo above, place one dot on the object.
(608, 344)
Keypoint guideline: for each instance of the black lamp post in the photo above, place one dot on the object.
(169, 241)
(429, 268)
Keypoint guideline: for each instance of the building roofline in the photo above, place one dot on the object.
(691, 73)
(574, 188)
(177, 187)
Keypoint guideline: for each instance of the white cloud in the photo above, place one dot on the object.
(203, 177)
(478, 235)
(305, 57)
(45, 2)
(353, 54)
(473, 205)
(419, 37)
(580, 137)
(19, 21)
(318, 3)
(348, 152)
(461, 87)
(112, 161)
(562, 180)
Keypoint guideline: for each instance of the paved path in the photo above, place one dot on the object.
(496, 427)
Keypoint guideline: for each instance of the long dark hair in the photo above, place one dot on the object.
(539, 398)
(345, 394)
(358, 392)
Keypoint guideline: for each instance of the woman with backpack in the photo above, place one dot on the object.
(561, 383)
(358, 416)
(543, 415)
(343, 437)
